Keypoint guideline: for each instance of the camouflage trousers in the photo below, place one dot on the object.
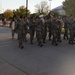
(59, 35)
(21, 39)
(54, 39)
(44, 36)
(13, 33)
(39, 38)
(50, 33)
(24, 37)
(72, 35)
(32, 31)
(66, 34)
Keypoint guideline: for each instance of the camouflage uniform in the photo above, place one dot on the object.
(25, 29)
(31, 30)
(20, 30)
(54, 32)
(72, 32)
(44, 29)
(49, 28)
(13, 24)
(59, 27)
(39, 32)
(44, 32)
(65, 28)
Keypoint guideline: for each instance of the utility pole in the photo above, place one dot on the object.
(26, 8)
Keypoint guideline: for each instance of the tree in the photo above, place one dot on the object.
(42, 8)
(8, 14)
(21, 11)
(69, 7)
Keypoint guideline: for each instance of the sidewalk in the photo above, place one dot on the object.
(7, 69)
(5, 26)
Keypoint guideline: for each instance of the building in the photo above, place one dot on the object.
(60, 10)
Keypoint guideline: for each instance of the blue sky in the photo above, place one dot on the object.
(14, 4)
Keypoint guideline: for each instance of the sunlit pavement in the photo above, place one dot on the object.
(34, 60)
(7, 69)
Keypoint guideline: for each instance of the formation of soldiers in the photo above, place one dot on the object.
(41, 25)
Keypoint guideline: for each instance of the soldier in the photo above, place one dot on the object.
(72, 31)
(31, 29)
(20, 28)
(39, 31)
(25, 29)
(13, 25)
(49, 27)
(65, 28)
(54, 32)
(59, 23)
(44, 32)
(44, 26)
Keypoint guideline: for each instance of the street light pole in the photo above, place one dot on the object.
(26, 7)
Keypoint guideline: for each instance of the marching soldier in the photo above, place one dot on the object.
(21, 31)
(44, 26)
(59, 23)
(31, 29)
(39, 31)
(72, 31)
(65, 28)
(13, 27)
(25, 29)
(49, 28)
(54, 32)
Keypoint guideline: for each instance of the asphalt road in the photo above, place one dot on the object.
(34, 60)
